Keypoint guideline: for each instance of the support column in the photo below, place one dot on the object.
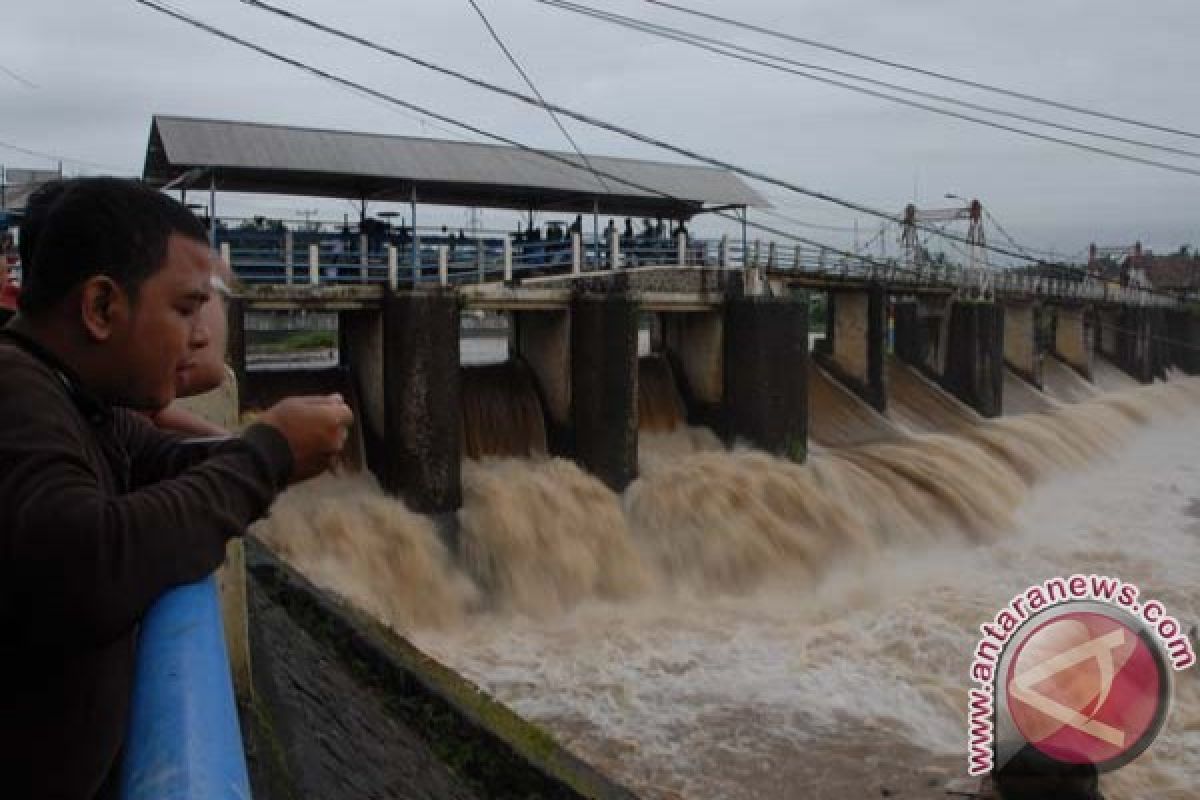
(910, 340)
(543, 341)
(695, 345)
(1183, 329)
(857, 323)
(1071, 340)
(1021, 351)
(422, 414)
(604, 358)
(361, 356)
(766, 374)
(235, 344)
(974, 371)
(1134, 345)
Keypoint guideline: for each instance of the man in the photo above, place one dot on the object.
(99, 511)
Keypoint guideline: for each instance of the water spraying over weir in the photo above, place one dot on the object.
(730, 608)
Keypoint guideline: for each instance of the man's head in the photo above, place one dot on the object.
(117, 276)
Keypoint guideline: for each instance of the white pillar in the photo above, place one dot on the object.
(681, 241)
(576, 252)
(314, 264)
(393, 267)
(723, 253)
(226, 254)
(507, 258)
(289, 255)
(444, 265)
(614, 250)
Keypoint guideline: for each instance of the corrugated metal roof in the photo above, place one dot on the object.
(254, 157)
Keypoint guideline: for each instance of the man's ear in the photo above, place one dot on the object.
(104, 307)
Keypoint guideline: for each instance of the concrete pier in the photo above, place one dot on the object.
(422, 401)
(1022, 353)
(543, 340)
(604, 362)
(974, 370)
(360, 345)
(695, 344)
(766, 390)
(1073, 339)
(857, 325)
(1134, 340)
(1183, 331)
(908, 333)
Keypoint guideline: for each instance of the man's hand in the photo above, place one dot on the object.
(315, 427)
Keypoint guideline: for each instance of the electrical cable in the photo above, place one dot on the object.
(58, 157)
(28, 84)
(529, 82)
(637, 25)
(581, 117)
(929, 73)
(693, 37)
(316, 71)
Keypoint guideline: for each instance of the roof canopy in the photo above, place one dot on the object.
(252, 157)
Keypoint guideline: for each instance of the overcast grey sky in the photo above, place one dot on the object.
(103, 67)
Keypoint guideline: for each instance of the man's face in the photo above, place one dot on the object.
(165, 332)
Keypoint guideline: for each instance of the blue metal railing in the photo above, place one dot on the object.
(183, 739)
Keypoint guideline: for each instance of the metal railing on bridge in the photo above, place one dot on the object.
(451, 261)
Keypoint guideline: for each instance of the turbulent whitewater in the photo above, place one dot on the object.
(735, 625)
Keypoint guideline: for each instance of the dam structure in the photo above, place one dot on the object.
(560, 379)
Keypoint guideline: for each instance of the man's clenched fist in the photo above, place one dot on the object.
(315, 428)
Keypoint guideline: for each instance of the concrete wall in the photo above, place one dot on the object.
(975, 356)
(604, 357)
(1071, 339)
(543, 340)
(695, 344)
(766, 372)
(1108, 321)
(1021, 351)
(361, 350)
(858, 328)
(909, 332)
(1183, 330)
(422, 405)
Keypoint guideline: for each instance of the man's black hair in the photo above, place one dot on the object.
(36, 207)
(97, 226)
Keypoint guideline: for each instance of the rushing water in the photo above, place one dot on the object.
(737, 626)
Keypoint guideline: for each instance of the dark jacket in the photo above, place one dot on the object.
(99, 514)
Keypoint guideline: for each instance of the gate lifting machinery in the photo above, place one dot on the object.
(916, 256)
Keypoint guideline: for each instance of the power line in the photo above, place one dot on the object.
(927, 72)
(59, 157)
(576, 115)
(529, 82)
(688, 39)
(347, 83)
(18, 78)
(672, 32)
(316, 71)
